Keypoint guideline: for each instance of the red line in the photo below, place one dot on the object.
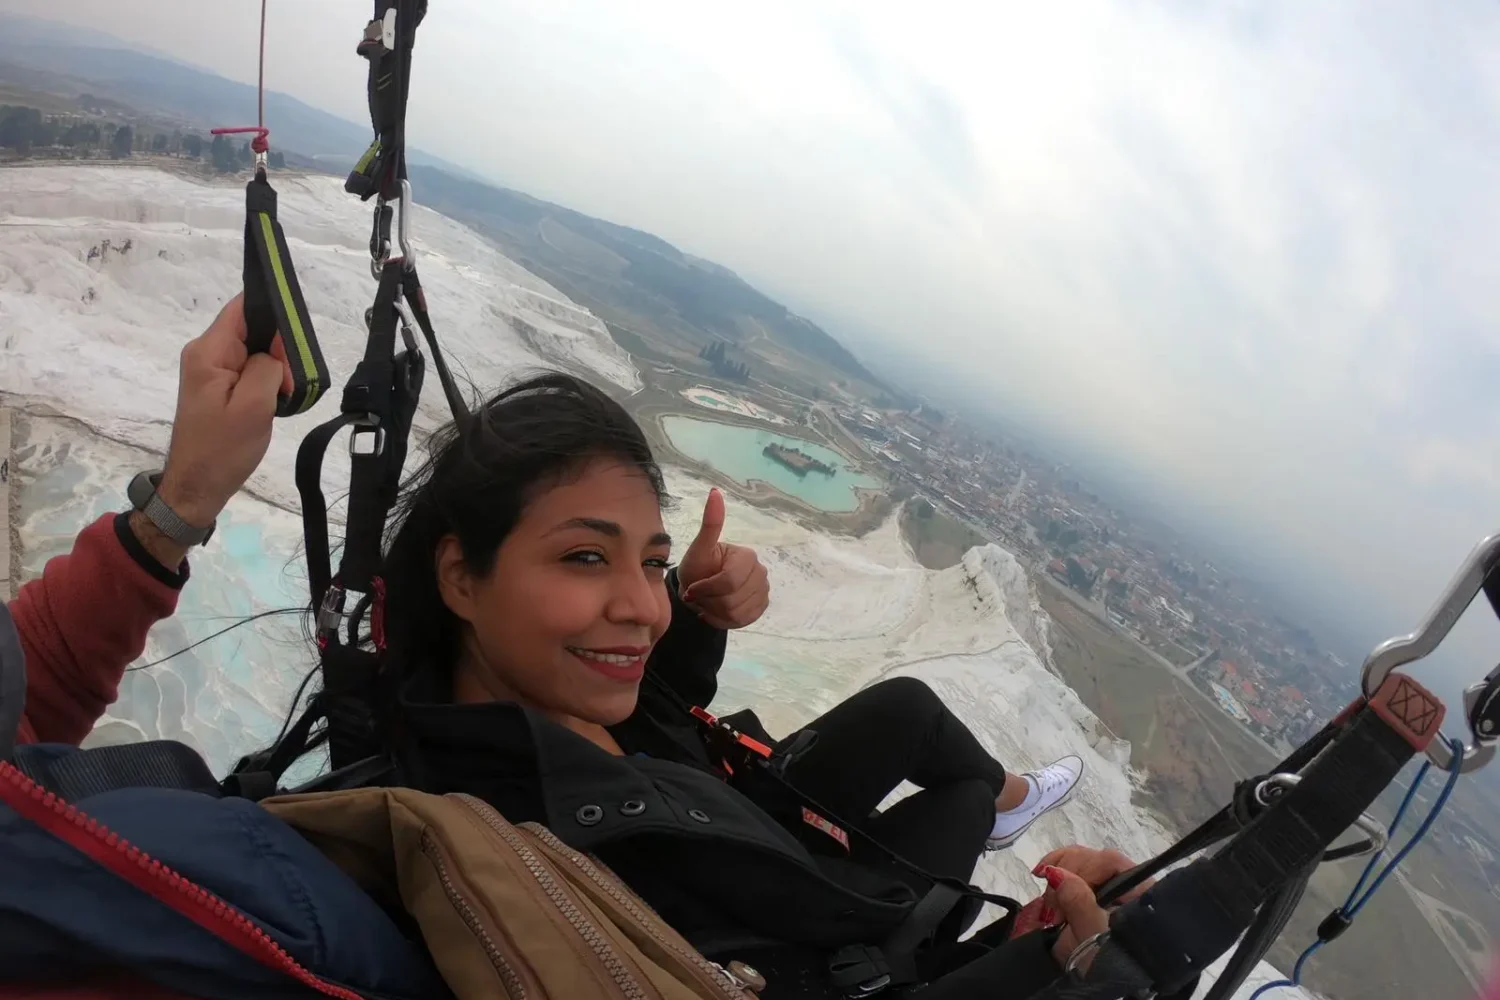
(260, 85)
(118, 856)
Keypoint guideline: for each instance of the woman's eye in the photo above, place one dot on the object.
(585, 558)
(657, 563)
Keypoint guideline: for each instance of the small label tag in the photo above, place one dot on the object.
(817, 822)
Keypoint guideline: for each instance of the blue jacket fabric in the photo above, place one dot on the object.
(63, 914)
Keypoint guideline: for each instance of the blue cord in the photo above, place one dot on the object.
(1357, 900)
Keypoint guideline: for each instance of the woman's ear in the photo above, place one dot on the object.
(455, 582)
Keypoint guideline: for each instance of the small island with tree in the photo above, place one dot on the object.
(798, 461)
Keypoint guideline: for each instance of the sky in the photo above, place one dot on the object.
(1242, 254)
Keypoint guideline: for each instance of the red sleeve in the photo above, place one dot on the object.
(82, 622)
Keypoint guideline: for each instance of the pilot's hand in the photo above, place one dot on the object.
(1073, 875)
(726, 584)
(226, 403)
(1071, 900)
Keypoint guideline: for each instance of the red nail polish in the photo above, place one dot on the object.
(1054, 876)
(1048, 916)
(1037, 871)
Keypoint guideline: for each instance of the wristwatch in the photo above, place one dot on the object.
(143, 497)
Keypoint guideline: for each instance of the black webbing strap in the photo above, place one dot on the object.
(898, 957)
(383, 166)
(416, 298)
(917, 932)
(314, 508)
(1222, 824)
(1194, 915)
(1270, 920)
(1112, 975)
(383, 393)
(273, 301)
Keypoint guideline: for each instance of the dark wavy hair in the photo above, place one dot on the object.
(478, 479)
(480, 474)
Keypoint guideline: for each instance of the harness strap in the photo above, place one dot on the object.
(1112, 975)
(857, 967)
(273, 301)
(314, 508)
(416, 299)
(1194, 915)
(918, 930)
(387, 44)
(1269, 922)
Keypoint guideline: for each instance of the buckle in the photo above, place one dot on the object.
(1376, 836)
(1455, 599)
(859, 970)
(369, 425)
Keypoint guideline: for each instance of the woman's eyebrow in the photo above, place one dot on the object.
(609, 528)
(600, 525)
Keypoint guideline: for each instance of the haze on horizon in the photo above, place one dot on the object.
(1241, 255)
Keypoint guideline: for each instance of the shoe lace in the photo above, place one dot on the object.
(1053, 777)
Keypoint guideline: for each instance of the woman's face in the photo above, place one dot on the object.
(577, 596)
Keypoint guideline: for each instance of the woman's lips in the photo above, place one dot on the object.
(618, 663)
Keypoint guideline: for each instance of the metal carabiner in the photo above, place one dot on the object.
(1376, 836)
(408, 324)
(1455, 600)
(403, 230)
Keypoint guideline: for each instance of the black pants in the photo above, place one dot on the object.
(894, 731)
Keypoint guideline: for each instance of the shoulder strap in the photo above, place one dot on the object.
(73, 774)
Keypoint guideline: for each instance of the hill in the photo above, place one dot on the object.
(642, 286)
(659, 302)
(48, 56)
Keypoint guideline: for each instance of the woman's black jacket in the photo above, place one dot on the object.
(717, 866)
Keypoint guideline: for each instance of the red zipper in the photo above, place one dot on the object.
(117, 855)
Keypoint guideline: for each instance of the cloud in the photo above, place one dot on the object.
(1246, 251)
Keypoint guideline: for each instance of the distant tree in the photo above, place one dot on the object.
(222, 154)
(246, 157)
(277, 160)
(123, 143)
(922, 509)
(81, 136)
(159, 143)
(1079, 578)
(1118, 588)
(18, 128)
(192, 145)
(1053, 529)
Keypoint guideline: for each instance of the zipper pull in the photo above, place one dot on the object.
(742, 976)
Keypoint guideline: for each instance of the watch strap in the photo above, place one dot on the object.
(144, 498)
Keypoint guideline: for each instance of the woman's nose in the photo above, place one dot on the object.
(634, 599)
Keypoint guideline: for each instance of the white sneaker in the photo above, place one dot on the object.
(1051, 786)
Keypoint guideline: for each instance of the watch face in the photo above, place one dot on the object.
(142, 488)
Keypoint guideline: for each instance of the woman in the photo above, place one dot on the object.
(529, 596)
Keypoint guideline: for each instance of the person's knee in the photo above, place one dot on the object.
(912, 694)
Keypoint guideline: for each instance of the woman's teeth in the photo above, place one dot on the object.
(603, 657)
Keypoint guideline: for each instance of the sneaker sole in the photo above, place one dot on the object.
(1001, 843)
